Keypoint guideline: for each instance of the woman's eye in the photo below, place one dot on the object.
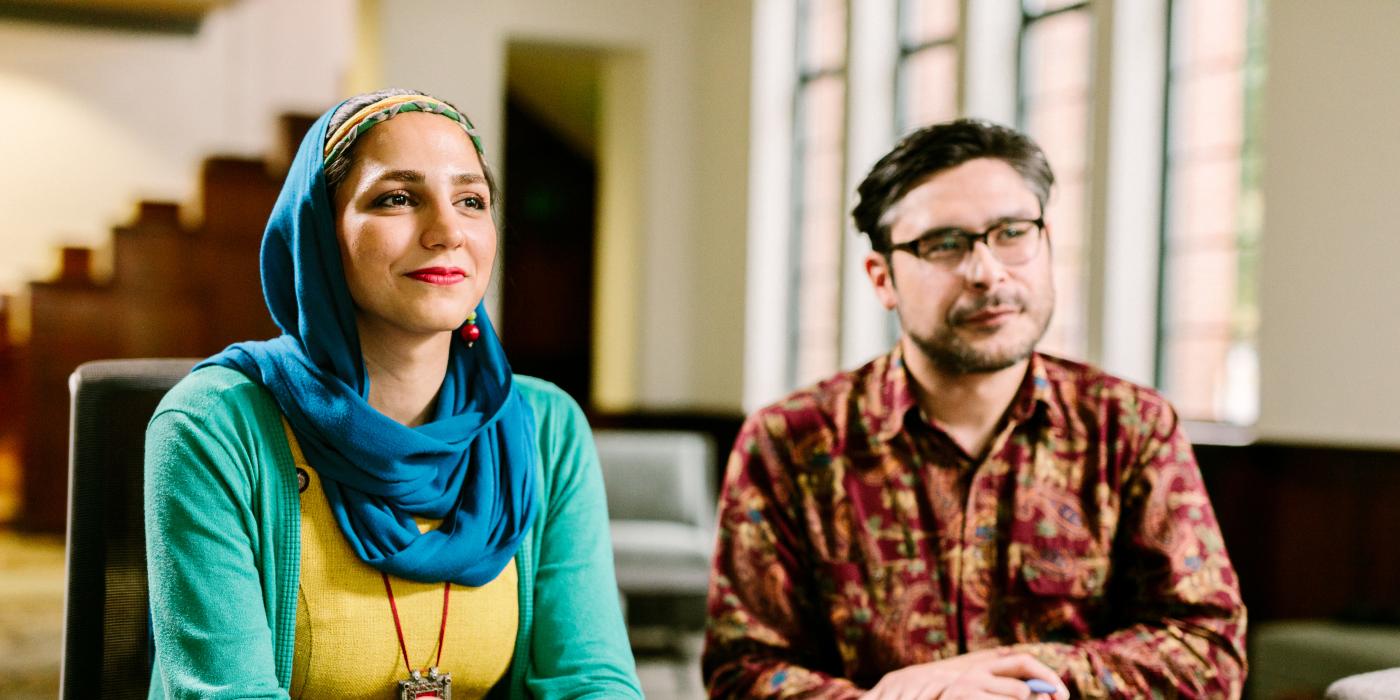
(474, 202)
(395, 199)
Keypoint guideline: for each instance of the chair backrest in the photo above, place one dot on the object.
(658, 475)
(106, 641)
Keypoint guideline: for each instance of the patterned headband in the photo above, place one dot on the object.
(388, 108)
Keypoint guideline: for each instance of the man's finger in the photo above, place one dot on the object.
(1002, 686)
(1024, 667)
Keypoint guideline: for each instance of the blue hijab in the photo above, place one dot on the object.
(472, 465)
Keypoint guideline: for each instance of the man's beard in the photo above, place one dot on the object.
(952, 354)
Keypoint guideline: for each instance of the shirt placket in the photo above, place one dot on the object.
(943, 473)
(977, 560)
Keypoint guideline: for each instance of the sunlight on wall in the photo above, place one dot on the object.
(1328, 336)
(79, 178)
(365, 74)
(690, 111)
(97, 119)
(620, 235)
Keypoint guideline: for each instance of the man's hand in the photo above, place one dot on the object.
(992, 673)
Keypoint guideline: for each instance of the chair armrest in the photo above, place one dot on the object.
(1377, 685)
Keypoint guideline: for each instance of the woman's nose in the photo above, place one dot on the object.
(442, 226)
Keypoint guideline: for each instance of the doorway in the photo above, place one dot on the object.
(549, 231)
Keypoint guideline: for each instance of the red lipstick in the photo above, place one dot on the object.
(442, 276)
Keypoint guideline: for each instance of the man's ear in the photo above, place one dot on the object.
(878, 269)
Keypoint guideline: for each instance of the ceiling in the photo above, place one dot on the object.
(179, 16)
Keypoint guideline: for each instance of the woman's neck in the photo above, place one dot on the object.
(405, 372)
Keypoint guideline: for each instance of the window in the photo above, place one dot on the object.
(818, 183)
(851, 77)
(1056, 100)
(928, 63)
(1209, 317)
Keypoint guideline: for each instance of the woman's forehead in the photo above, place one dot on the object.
(419, 139)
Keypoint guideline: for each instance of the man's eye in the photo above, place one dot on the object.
(1013, 231)
(942, 245)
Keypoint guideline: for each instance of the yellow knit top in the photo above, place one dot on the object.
(346, 645)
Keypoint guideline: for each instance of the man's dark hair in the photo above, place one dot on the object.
(932, 150)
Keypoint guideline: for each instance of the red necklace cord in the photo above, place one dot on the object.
(398, 627)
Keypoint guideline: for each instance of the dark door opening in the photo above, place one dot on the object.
(547, 244)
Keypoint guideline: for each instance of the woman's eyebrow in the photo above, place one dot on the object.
(412, 176)
(416, 177)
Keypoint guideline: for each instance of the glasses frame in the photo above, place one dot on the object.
(985, 237)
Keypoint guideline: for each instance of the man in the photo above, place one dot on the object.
(966, 517)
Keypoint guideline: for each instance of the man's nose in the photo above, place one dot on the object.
(980, 267)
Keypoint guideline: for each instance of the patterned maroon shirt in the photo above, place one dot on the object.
(857, 538)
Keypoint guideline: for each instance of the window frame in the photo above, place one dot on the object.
(803, 80)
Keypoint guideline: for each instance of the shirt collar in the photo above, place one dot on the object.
(896, 393)
(1037, 393)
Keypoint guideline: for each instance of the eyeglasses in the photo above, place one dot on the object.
(1012, 243)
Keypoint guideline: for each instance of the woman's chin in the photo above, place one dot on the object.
(437, 318)
(408, 326)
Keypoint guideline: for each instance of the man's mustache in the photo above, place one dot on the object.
(960, 314)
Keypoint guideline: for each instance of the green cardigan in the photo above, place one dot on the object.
(223, 541)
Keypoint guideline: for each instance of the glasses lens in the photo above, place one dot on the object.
(1016, 242)
(943, 247)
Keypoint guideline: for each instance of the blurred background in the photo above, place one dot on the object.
(677, 249)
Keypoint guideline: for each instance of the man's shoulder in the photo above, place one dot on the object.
(1086, 389)
(816, 399)
(827, 395)
(828, 405)
(1093, 381)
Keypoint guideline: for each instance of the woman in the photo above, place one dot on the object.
(372, 504)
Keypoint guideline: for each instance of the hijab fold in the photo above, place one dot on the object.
(472, 465)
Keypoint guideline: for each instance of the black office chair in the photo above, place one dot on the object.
(106, 631)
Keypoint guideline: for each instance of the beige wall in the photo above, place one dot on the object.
(102, 118)
(1330, 279)
(721, 191)
(673, 215)
(94, 120)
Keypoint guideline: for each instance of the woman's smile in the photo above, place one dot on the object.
(441, 276)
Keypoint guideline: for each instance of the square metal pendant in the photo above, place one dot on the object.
(434, 686)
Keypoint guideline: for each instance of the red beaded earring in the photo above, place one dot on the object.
(470, 332)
